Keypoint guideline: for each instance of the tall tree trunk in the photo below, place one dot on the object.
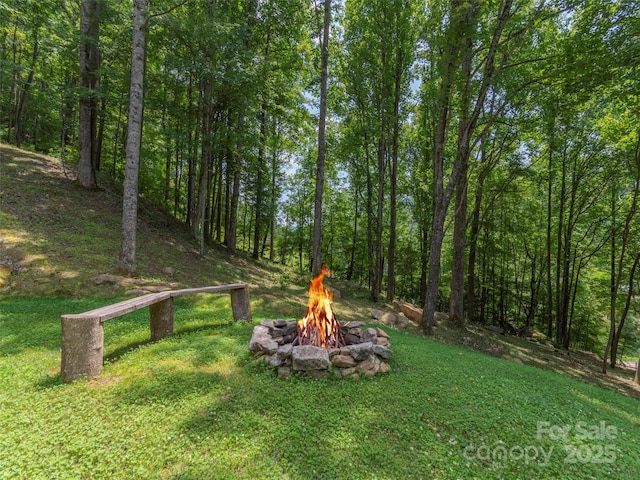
(548, 241)
(462, 21)
(274, 205)
(393, 175)
(559, 250)
(218, 201)
(534, 288)
(178, 174)
(117, 137)
(369, 207)
(441, 197)
(228, 181)
(466, 128)
(354, 236)
(625, 312)
(473, 245)
(231, 234)
(200, 220)
(101, 120)
(168, 151)
(614, 337)
(88, 108)
(456, 299)
(24, 92)
(424, 261)
(192, 138)
(613, 293)
(379, 261)
(316, 261)
(14, 79)
(566, 266)
(127, 263)
(260, 181)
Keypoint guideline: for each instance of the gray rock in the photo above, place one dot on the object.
(381, 333)
(390, 319)
(370, 335)
(343, 361)
(369, 366)
(284, 351)
(402, 321)
(411, 311)
(361, 351)
(108, 278)
(382, 351)
(273, 360)
(371, 373)
(357, 331)
(309, 357)
(351, 339)
(345, 372)
(354, 324)
(287, 329)
(334, 351)
(261, 341)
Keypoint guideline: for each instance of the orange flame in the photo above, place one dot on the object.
(319, 326)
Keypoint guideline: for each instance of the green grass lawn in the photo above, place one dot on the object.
(196, 406)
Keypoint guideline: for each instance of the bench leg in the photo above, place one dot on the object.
(161, 314)
(82, 346)
(240, 304)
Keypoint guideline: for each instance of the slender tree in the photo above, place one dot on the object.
(449, 64)
(316, 261)
(618, 263)
(88, 111)
(127, 262)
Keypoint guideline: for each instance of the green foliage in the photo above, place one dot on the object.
(206, 410)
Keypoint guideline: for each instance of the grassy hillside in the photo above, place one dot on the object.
(56, 239)
(197, 406)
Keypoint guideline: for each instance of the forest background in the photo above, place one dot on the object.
(482, 157)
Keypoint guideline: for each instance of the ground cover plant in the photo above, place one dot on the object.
(198, 406)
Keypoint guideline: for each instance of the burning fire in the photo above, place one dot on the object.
(319, 326)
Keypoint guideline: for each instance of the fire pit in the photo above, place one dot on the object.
(319, 343)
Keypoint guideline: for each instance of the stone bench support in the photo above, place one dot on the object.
(83, 333)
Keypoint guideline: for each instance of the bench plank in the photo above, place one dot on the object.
(120, 308)
(211, 289)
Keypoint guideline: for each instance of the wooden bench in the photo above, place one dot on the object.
(83, 333)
